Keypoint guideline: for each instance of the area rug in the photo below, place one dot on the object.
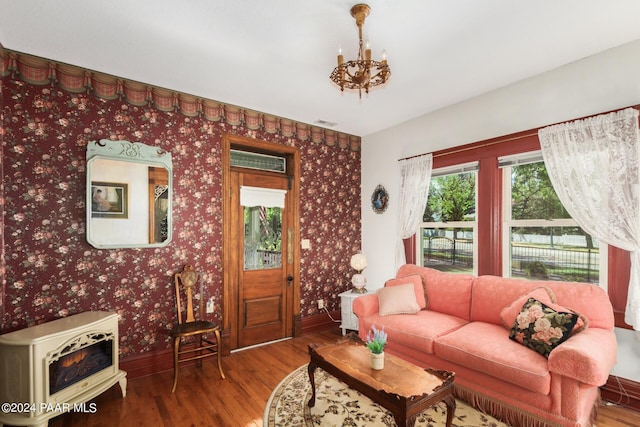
(338, 405)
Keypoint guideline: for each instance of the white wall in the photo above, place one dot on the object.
(603, 82)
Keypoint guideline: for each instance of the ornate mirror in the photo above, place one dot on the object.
(128, 195)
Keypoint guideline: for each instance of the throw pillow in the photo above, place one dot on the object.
(541, 328)
(400, 299)
(418, 285)
(510, 312)
(581, 324)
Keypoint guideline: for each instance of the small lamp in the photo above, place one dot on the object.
(359, 263)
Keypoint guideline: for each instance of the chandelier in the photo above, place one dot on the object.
(361, 73)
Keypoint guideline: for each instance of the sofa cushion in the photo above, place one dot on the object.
(446, 292)
(398, 299)
(542, 328)
(418, 284)
(510, 312)
(486, 347)
(589, 301)
(418, 331)
(492, 293)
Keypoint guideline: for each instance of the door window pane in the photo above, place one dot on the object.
(262, 237)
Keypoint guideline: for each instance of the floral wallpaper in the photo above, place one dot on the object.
(51, 271)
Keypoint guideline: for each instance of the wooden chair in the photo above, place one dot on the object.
(192, 327)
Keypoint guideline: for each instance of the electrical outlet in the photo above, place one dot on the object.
(320, 304)
(210, 305)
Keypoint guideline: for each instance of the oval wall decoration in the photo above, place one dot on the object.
(379, 199)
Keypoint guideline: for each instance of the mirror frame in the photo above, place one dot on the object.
(134, 152)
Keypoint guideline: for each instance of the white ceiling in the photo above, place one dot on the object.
(275, 56)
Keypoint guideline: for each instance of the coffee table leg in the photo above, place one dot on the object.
(409, 422)
(450, 401)
(312, 378)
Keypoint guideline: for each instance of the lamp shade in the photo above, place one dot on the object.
(358, 262)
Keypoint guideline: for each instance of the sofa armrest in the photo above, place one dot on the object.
(366, 305)
(587, 357)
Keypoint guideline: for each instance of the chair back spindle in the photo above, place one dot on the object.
(188, 278)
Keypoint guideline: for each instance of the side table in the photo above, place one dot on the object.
(349, 320)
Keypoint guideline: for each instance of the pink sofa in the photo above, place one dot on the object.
(461, 330)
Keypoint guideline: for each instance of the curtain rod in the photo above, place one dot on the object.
(474, 146)
(413, 157)
(498, 141)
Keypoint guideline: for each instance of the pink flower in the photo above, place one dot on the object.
(530, 315)
(545, 332)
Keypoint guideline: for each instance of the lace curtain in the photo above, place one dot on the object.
(415, 176)
(594, 165)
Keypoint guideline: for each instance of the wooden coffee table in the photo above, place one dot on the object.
(401, 387)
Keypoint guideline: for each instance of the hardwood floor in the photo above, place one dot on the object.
(203, 399)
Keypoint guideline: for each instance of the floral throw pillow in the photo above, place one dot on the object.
(541, 328)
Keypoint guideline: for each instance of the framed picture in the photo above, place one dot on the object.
(379, 199)
(109, 200)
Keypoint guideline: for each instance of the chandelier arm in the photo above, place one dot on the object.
(380, 74)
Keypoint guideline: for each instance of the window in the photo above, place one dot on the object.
(263, 209)
(495, 158)
(447, 239)
(262, 238)
(541, 240)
